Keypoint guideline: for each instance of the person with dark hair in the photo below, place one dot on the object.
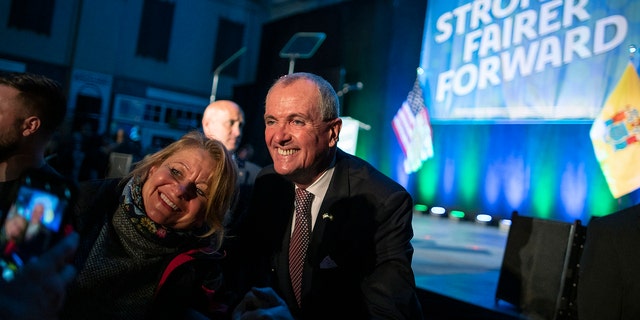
(32, 108)
(326, 231)
(150, 241)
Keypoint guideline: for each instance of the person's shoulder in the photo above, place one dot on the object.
(90, 190)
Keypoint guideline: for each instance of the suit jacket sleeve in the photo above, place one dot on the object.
(390, 289)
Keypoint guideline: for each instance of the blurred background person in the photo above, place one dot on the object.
(32, 107)
(224, 120)
(130, 144)
(94, 160)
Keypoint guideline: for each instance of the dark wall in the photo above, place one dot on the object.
(376, 42)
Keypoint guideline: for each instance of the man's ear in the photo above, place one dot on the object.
(334, 130)
(30, 125)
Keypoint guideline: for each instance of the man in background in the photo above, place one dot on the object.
(32, 107)
(223, 120)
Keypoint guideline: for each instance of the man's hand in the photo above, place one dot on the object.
(262, 303)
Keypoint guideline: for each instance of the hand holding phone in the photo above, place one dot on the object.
(36, 220)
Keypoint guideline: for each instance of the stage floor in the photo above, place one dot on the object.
(457, 265)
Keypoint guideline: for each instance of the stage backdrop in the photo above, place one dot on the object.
(512, 88)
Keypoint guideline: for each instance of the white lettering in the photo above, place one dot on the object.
(549, 53)
(574, 9)
(444, 84)
(444, 26)
(490, 40)
(471, 44)
(501, 44)
(549, 13)
(468, 72)
(507, 28)
(480, 12)
(489, 69)
(461, 17)
(524, 26)
(499, 12)
(575, 41)
(519, 62)
(599, 43)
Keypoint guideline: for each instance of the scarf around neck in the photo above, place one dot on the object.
(125, 261)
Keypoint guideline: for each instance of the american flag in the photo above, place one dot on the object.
(413, 130)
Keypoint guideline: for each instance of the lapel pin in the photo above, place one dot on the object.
(327, 216)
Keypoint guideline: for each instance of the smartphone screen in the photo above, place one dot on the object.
(34, 222)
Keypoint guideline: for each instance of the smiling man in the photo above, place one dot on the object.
(357, 263)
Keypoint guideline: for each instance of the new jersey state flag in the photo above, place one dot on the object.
(413, 130)
(615, 135)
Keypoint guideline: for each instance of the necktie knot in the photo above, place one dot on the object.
(303, 201)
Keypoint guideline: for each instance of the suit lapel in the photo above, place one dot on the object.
(330, 210)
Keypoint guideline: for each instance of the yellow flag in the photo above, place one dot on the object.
(615, 135)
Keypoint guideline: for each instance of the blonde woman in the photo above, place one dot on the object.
(149, 242)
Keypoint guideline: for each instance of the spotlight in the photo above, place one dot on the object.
(437, 211)
(420, 208)
(483, 218)
(456, 215)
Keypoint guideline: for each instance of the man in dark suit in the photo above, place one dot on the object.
(358, 260)
(609, 281)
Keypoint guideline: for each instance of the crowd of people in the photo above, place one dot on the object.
(187, 235)
(196, 231)
(83, 153)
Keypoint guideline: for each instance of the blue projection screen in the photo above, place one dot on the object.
(526, 61)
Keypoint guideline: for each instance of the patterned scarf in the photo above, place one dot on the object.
(124, 263)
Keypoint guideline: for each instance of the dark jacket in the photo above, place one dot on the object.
(181, 291)
(359, 258)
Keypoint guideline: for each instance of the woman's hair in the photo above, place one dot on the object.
(221, 181)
